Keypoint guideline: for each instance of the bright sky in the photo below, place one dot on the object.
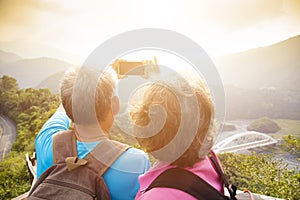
(78, 27)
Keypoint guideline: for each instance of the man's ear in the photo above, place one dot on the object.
(115, 105)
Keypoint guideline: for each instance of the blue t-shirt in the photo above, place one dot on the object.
(121, 178)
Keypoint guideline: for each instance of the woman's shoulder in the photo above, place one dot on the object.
(165, 193)
(206, 170)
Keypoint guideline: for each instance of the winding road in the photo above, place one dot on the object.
(9, 134)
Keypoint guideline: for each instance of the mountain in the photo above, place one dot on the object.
(275, 66)
(31, 72)
(52, 82)
(263, 82)
(9, 57)
(31, 49)
(258, 82)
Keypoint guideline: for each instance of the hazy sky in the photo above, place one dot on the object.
(219, 26)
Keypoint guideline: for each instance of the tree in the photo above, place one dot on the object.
(8, 83)
(262, 174)
(29, 108)
(13, 176)
(292, 143)
(9, 102)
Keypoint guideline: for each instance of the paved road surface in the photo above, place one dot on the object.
(9, 134)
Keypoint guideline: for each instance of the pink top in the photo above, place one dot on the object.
(204, 169)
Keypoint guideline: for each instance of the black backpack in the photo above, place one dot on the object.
(186, 181)
(74, 178)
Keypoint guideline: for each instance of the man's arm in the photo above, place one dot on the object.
(59, 121)
(61, 108)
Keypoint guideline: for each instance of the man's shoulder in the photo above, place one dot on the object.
(134, 154)
(134, 160)
(136, 151)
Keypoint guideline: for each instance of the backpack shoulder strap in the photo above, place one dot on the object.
(104, 155)
(231, 188)
(188, 182)
(64, 145)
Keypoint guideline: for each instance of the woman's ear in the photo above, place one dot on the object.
(115, 105)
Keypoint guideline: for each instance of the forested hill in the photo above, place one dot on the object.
(30, 72)
(263, 81)
(26, 107)
(275, 66)
(30, 108)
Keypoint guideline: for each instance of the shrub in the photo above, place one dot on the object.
(262, 174)
(14, 179)
(264, 125)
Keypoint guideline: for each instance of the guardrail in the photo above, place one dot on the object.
(251, 139)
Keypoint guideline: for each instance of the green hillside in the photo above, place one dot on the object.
(289, 127)
(30, 108)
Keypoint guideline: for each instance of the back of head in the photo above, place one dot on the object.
(176, 98)
(86, 94)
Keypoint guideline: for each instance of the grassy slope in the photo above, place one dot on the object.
(289, 127)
